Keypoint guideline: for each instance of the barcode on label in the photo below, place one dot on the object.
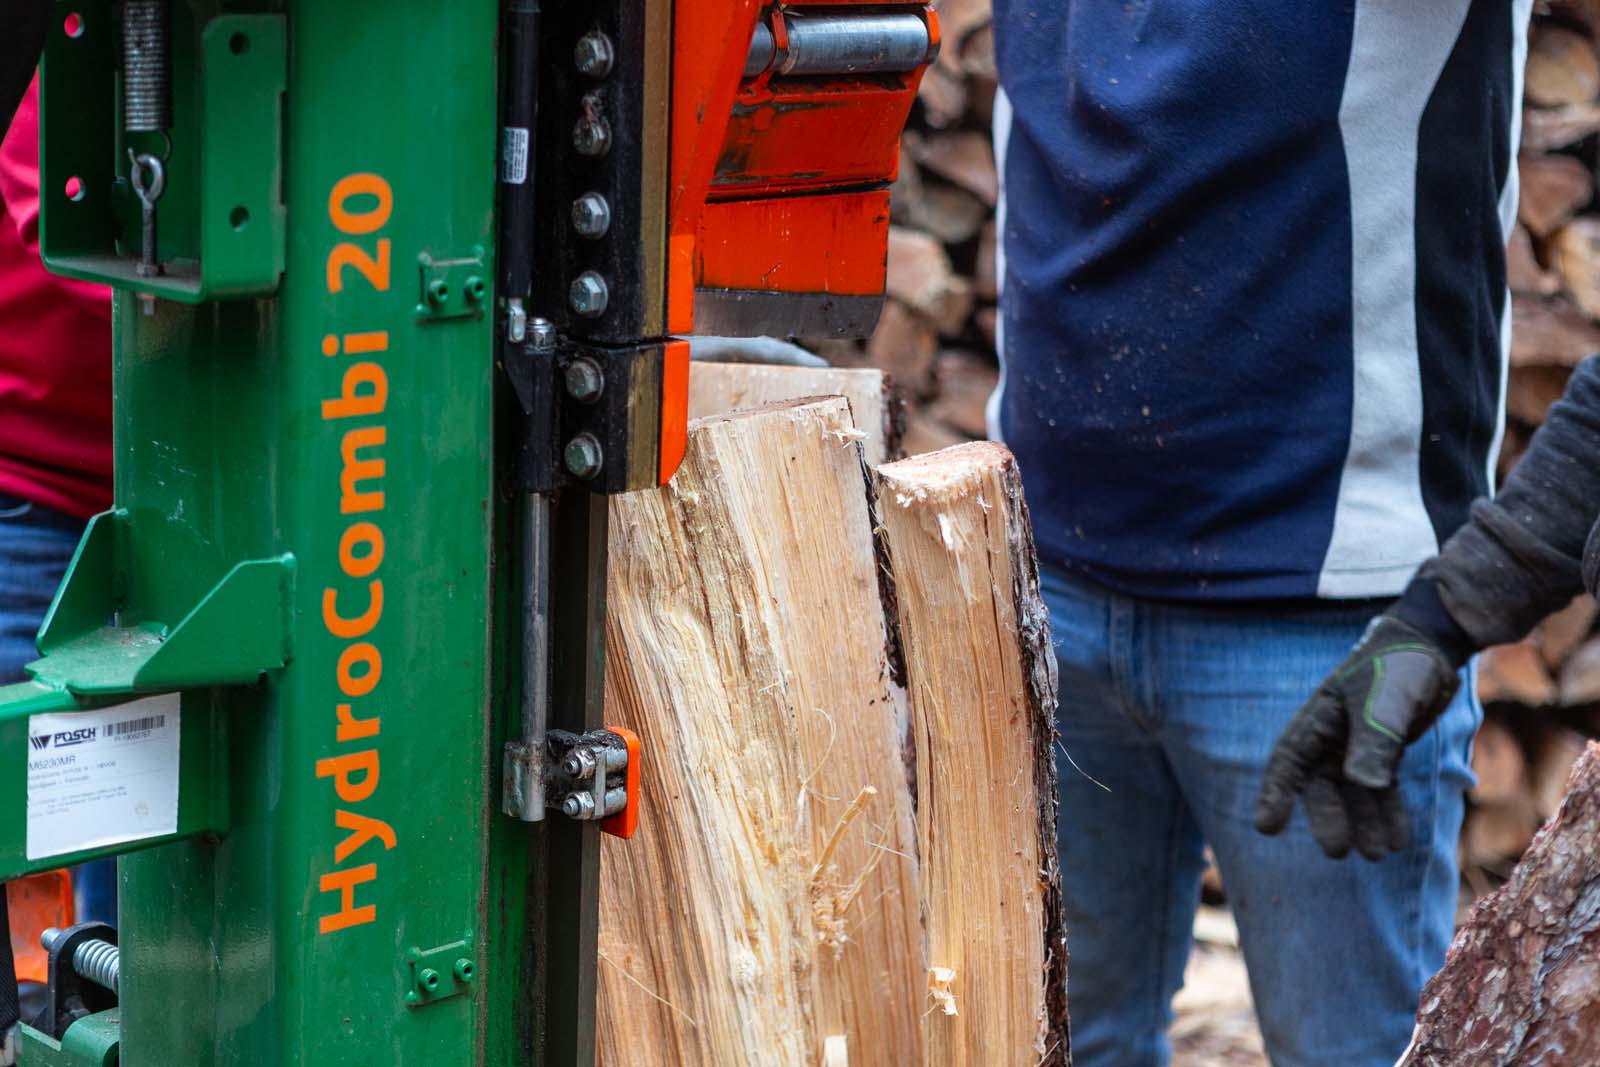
(134, 726)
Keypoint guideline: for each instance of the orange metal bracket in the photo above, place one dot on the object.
(626, 821)
(37, 903)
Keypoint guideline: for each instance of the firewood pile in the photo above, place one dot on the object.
(937, 335)
(937, 340)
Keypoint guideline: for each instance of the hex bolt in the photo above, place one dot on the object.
(428, 979)
(464, 970)
(438, 292)
(589, 295)
(578, 806)
(583, 456)
(594, 54)
(542, 332)
(578, 764)
(592, 135)
(585, 380)
(591, 216)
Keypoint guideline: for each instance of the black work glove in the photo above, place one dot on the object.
(1341, 751)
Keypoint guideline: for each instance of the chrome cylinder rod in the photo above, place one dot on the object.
(841, 44)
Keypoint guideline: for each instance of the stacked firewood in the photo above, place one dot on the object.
(937, 340)
(937, 335)
(1522, 757)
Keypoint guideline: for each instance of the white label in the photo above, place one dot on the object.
(513, 155)
(98, 778)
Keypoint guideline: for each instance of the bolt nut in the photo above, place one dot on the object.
(464, 970)
(428, 979)
(585, 380)
(476, 289)
(594, 54)
(589, 294)
(583, 456)
(438, 292)
(578, 764)
(578, 806)
(542, 332)
(591, 215)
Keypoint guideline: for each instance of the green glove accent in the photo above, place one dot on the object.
(1341, 751)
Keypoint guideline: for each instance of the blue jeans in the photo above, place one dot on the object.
(36, 544)
(1168, 712)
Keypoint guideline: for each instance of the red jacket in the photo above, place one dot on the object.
(55, 351)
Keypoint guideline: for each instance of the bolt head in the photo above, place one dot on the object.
(583, 456)
(594, 54)
(578, 806)
(592, 137)
(584, 380)
(589, 294)
(591, 215)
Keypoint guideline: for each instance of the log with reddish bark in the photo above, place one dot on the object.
(1522, 983)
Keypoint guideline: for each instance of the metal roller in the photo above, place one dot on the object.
(842, 44)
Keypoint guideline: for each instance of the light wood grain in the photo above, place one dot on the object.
(715, 388)
(769, 901)
(975, 640)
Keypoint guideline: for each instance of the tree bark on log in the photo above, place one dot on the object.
(975, 643)
(1521, 986)
(768, 905)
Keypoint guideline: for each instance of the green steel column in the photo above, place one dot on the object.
(367, 894)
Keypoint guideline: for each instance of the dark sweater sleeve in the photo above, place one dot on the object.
(1591, 561)
(1522, 554)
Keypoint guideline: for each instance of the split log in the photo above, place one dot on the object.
(1494, 835)
(1522, 982)
(1552, 189)
(965, 158)
(1515, 674)
(1531, 390)
(1559, 636)
(920, 275)
(1580, 676)
(975, 638)
(1575, 248)
(905, 345)
(1562, 68)
(964, 381)
(715, 388)
(1523, 272)
(1499, 763)
(768, 905)
(1555, 750)
(1550, 333)
(1546, 130)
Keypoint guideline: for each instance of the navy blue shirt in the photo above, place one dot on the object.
(1254, 311)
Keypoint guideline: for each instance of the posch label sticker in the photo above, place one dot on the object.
(98, 778)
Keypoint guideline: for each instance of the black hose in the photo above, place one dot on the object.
(10, 1004)
(20, 47)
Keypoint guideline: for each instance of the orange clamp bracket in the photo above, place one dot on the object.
(626, 821)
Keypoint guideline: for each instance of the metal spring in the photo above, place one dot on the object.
(98, 961)
(146, 67)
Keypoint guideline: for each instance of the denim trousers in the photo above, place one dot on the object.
(1167, 715)
(36, 544)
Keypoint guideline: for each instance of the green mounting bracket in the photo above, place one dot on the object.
(437, 974)
(93, 1041)
(221, 224)
(452, 288)
(237, 631)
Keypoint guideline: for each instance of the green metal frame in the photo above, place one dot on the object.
(232, 490)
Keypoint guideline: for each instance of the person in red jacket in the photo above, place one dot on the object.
(55, 425)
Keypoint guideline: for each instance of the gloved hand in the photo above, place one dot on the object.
(1341, 750)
